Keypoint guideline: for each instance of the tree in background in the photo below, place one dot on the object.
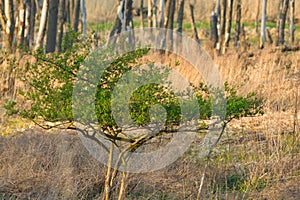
(170, 24)
(292, 21)
(8, 23)
(228, 26)
(43, 23)
(21, 22)
(180, 17)
(238, 11)
(60, 25)
(52, 25)
(83, 12)
(284, 5)
(162, 13)
(263, 24)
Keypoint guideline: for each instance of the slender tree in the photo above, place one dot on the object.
(21, 23)
(292, 21)
(141, 13)
(155, 17)
(257, 17)
(170, 24)
(218, 12)
(180, 16)
(263, 24)
(150, 6)
(223, 17)
(83, 13)
(75, 14)
(27, 32)
(43, 23)
(52, 25)
(33, 11)
(8, 23)
(60, 25)
(194, 24)
(228, 25)
(238, 11)
(282, 22)
(162, 13)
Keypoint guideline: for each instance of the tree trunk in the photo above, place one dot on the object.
(269, 36)
(263, 25)
(8, 23)
(162, 13)
(244, 38)
(28, 9)
(223, 17)
(33, 12)
(123, 19)
(282, 22)
(194, 24)
(52, 26)
(118, 23)
(76, 14)
(68, 12)
(142, 14)
(43, 22)
(60, 25)
(213, 29)
(155, 18)
(83, 12)
(107, 188)
(21, 23)
(150, 22)
(170, 22)
(228, 26)
(238, 22)
(180, 17)
(292, 21)
(257, 17)
(218, 11)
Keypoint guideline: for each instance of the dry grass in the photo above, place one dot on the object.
(53, 166)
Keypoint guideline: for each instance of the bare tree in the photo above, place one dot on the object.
(52, 25)
(150, 22)
(21, 23)
(43, 23)
(194, 24)
(60, 25)
(162, 13)
(33, 12)
(141, 13)
(223, 17)
(8, 23)
(170, 24)
(257, 16)
(27, 23)
(83, 12)
(238, 11)
(228, 25)
(180, 16)
(282, 21)
(263, 24)
(154, 14)
(292, 21)
(218, 12)
(213, 29)
(75, 14)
